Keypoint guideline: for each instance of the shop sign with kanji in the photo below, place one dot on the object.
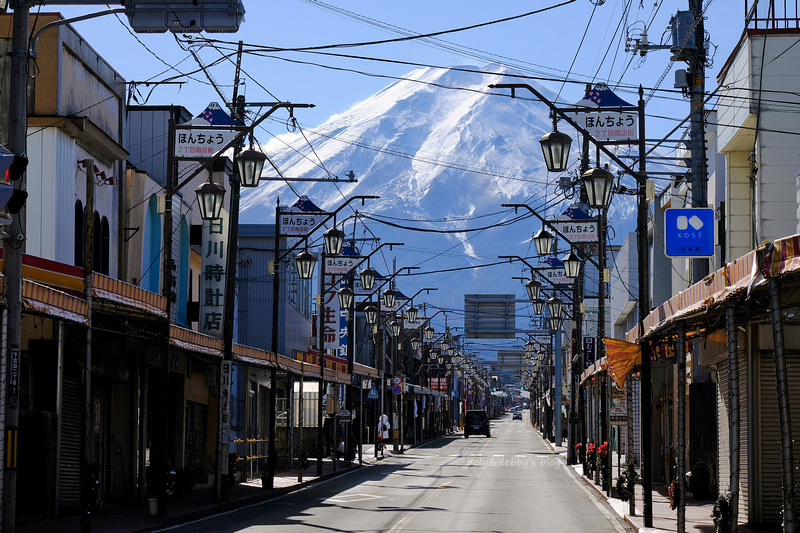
(205, 135)
(214, 251)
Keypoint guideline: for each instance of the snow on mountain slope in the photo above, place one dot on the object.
(438, 145)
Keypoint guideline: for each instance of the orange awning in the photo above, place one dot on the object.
(621, 357)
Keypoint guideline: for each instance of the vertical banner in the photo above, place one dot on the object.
(589, 351)
(212, 279)
(225, 382)
(336, 336)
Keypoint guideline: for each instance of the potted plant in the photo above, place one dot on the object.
(591, 452)
(602, 464)
(626, 486)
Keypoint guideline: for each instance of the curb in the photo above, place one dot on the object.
(231, 505)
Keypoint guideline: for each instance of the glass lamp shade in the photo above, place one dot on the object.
(210, 197)
(305, 264)
(543, 240)
(440, 359)
(450, 352)
(529, 346)
(449, 365)
(533, 288)
(368, 276)
(334, 239)
(444, 345)
(411, 314)
(555, 323)
(346, 296)
(429, 331)
(555, 147)
(415, 344)
(597, 184)
(538, 306)
(555, 306)
(389, 296)
(394, 326)
(251, 163)
(371, 314)
(572, 265)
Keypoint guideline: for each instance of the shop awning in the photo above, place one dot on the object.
(193, 341)
(114, 290)
(42, 299)
(365, 371)
(752, 270)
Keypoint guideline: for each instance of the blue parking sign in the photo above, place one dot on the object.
(689, 232)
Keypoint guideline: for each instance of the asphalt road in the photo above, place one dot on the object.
(510, 482)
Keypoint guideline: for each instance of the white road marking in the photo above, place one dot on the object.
(351, 498)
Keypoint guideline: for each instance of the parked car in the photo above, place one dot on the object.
(476, 422)
(517, 415)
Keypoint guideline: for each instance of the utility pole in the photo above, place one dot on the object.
(12, 264)
(696, 57)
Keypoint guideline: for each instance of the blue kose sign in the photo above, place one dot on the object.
(689, 232)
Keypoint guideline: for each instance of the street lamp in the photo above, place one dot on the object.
(440, 359)
(555, 306)
(415, 344)
(555, 323)
(209, 198)
(389, 296)
(334, 239)
(411, 314)
(597, 184)
(371, 314)
(543, 240)
(251, 163)
(555, 147)
(305, 264)
(534, 288)
(538, 306)
(572, 265)
(429, 331)
(368, 276)
(394, 326)
(346, 296)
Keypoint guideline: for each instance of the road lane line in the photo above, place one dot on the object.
(403, 522)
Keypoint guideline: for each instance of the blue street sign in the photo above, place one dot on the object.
(397, 389)
(372, 394)
(689, 232)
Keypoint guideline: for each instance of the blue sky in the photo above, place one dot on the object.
(550, 44)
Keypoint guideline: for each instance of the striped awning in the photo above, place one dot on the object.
(114, 290)
(42, 299)
(193, 341)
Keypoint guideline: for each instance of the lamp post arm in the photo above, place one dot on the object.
(390, 278)
(243, 131)
(561, 113)
(536, 271)
(586, 257)
(321, 224)
(389, 244)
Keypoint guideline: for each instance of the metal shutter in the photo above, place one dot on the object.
(70, 465)
(723, 430)
(769, 434)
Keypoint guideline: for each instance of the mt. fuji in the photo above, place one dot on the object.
(443, 152)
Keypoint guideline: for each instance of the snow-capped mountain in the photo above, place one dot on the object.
(443, 152)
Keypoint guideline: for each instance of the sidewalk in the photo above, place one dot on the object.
(698, 512)
(128, 518)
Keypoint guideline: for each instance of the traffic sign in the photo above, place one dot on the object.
(397, 389)
(372, 394)
(689, 232)
(397, 380)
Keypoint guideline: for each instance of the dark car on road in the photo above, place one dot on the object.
(517, 415)
(476, 422)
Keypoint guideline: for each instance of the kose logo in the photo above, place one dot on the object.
(683, 222)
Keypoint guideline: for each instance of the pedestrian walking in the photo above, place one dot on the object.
(383, 432)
